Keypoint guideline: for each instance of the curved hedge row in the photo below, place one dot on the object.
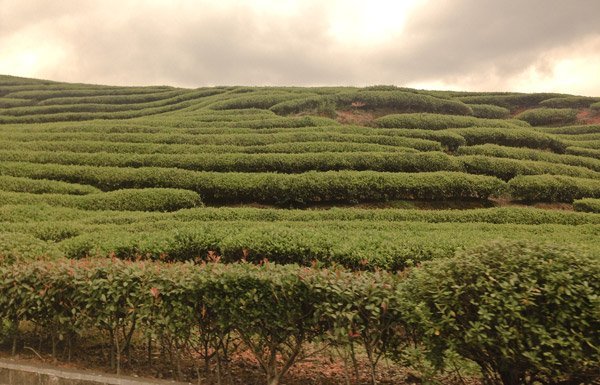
(41, 186)
(510, 100)
(497, 215)
(489, 111)
(582, 151)
(569, 102)
(511, 138)
(507, 169)
(573, 130)
(285, 163)
(277, 310)
(252, 139)
(298, 163)
(529, 154)
(441, 122)
(148, 199)
(589, 205)
(332, 186)
(548, 116)
(400, 101)
(595, 106)
(553, 188)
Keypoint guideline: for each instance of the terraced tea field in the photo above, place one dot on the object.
(376, 179)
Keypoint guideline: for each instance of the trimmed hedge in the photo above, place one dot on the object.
(310, 187)
(489, 111)
(553, 188)
(595, 106)
(35, 214)
(285, 163)
(506, 169)
(149, 199)
(587, 205)
(509, 100)
(41, 186)
(529, 154)
(400, 101)
(512, 138)
(548, 116)
(441, 122)
(525, 313)
(569, 102)
(582, 151)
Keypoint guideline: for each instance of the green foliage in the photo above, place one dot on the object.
(400, 101)
(41, 186)
(489, 111)
(582, 151)
(553, 188)
(595, 106)
(507, 169)
(512, 138)
(148, 199)
(589, 205)
(331, 186)
(523, 312)
(548, 116)
(493, 150)
(569, 102)
(440, 122)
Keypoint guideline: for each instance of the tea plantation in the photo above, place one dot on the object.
(450, 234)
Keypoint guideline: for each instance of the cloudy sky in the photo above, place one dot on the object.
(521, 45)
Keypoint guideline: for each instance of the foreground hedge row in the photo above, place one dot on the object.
(534, 318)
(331, 186)
(359, 244)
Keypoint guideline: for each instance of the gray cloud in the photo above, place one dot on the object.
(192, 43)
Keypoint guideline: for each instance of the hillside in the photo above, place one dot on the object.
(380, 178)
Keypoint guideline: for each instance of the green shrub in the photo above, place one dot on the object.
(553, 188)
(285, 163)
(512, 138)
(310, 187)
(489, 111)
(573, 130)
(582, 151)
(595, 106)
(548, 116)
(318, 104)
(440, 122)
(511, 101)
(525, 313)
(589, 205)
(41, 186)
(530, 154)
(148, 199)
(257, 99)
(400, 101)
(568, 102)
(507, 169)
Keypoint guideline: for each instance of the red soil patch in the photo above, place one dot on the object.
(588, 116)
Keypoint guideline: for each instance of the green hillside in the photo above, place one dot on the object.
(373, 180)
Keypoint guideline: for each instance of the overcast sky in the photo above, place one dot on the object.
(520, 45)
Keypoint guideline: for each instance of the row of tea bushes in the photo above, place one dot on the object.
(329, 186)
(147, 199)
(37, 213)
(533, 317)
